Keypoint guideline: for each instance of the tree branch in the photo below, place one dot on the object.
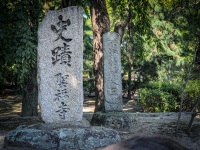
(120, 26)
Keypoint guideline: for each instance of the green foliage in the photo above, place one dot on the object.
(88, 79)
(88, 84)
(192, 89)
(164, 38)
(8, 75)
(159, 96)
(19, 36)
(27, 16)
(88, 63)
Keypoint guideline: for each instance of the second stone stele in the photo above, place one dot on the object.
(112, 72)
(113, 117)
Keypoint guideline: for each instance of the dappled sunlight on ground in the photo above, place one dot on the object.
(132, 106)
(88, 109)
(88, 105)
(11, 105)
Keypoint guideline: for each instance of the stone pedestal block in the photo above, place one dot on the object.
(120, 121)
(50, 137)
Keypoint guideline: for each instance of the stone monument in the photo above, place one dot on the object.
(114, 117)
(60, 65)
(112, 72)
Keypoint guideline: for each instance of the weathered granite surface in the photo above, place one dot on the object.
(60, 65)
(120, 121)
(46, 137)
(112, 72)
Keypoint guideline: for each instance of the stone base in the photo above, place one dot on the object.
(116, 120)
(48, 136)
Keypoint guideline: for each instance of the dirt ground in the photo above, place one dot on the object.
(147, 123)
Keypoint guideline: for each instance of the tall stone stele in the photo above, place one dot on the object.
(60, 65)
(112, 72)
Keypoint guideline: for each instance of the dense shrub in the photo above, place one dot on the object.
(191, 94)
(192, 89)
(160, 97)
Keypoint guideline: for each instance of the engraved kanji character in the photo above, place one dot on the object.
(62, 54)
(62, 79)
(62, 25)
(57, 96)
(62, 110)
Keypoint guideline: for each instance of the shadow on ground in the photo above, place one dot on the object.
(10, 105)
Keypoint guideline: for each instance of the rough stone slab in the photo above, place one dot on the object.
(44, 138)
(120, 121)
(112, 72)
(60, 65)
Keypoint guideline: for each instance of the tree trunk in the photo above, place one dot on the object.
(193, 113)
(120, 29)
(182, 99)
(130, 57)
(100, 25)
(130, 72)
(30, 95)
(29, 89)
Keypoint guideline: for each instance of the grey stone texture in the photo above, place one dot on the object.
(60, 65)
(120, 121)
(46, 137)
(112, 72)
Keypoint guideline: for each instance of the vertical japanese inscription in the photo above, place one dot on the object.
(61, 54)
(62, 94)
